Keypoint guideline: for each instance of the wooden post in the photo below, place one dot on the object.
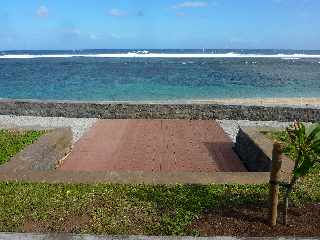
(274, 182)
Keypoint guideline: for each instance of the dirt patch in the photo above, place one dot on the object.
(251, 221)
(74, 224)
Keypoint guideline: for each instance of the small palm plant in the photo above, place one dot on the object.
(304, 145)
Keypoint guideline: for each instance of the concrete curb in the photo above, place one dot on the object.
(137, 177)
(62, 236)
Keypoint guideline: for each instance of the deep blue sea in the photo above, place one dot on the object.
(140, 75)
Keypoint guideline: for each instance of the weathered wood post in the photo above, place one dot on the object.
(274, 182)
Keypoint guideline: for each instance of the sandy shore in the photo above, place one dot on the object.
(303, 102)
(264, 101)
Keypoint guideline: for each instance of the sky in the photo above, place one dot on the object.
(159, 24)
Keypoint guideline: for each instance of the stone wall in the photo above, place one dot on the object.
(157, 111)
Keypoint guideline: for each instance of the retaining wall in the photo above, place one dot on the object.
(255, 150)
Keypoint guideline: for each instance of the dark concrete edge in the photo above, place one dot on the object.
(265, 144)
(68, 236)
(43, 155)
(147, 178)
(287, 162)
(149, 110)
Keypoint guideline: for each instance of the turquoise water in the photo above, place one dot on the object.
(143, 79)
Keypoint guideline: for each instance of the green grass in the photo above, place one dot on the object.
(11, 142)
(122, 209)
(116, 209)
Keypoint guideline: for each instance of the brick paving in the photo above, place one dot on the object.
(154, 146)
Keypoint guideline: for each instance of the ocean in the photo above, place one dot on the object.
(158, 75)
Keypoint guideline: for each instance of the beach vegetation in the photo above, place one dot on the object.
(302, 144)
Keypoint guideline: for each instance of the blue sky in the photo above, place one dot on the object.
(79, 24)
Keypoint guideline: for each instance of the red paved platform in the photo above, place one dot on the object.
(154, 145)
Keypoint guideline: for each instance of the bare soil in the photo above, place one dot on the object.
(251, 221)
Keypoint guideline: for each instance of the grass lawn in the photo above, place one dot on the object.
(140, 209)
(127, 209)
(115, 209)
(11, 142)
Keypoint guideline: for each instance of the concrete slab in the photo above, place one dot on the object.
(154, 146)
(63, 236)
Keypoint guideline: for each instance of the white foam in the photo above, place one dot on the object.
(290, 58)
(145, 54)
(27, 56)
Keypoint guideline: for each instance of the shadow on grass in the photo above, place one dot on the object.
(179, 206)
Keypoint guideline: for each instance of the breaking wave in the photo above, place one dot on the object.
(146, 54)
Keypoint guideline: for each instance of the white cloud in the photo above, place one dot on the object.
(180, 14)
(93, 36)
(43, 11)
(71, 32)
(191, 4)
(74, 31)
(140, 13)
(116, 36)
(117, 13)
